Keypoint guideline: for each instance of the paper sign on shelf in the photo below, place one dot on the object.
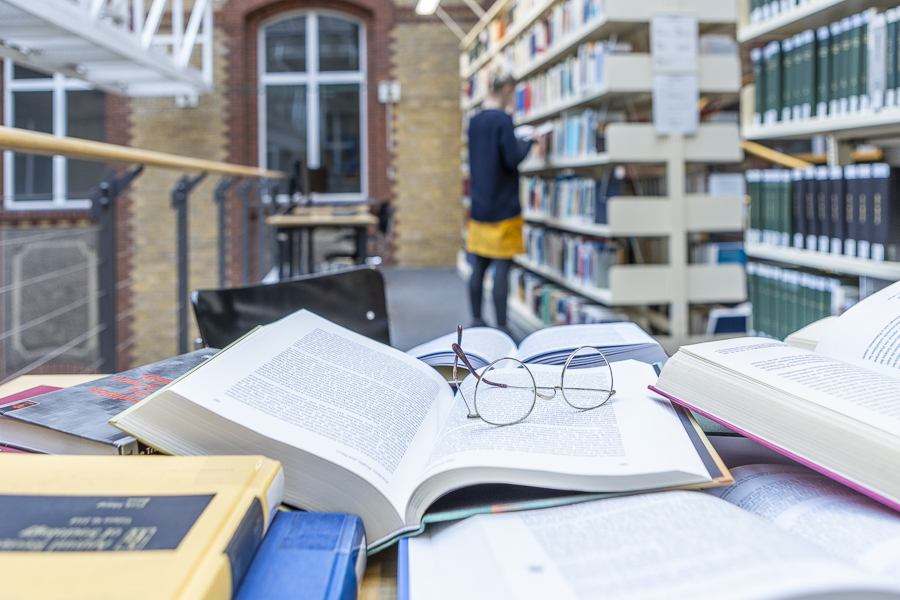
(673, 43)
(675, 100)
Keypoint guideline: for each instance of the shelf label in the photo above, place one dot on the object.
(673, 43)
(675, 101)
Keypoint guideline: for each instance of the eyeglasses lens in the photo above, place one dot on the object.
(587, 380)
(505, 394)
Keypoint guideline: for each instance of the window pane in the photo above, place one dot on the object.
(286, 46)
(20, 72)
(338, 44)
(86, 114)
(339, 137)
(285, 126)
(33, 175)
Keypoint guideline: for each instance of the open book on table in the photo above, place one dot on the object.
(548, 346)
(836, 409)
(779, 532)
(363, 428)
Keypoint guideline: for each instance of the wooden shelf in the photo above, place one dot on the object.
(651, 216)
(809, 15)
(884, 123)
(630, 74)
(824, 261)
(616, 15)
(638, 143)
(634, 285)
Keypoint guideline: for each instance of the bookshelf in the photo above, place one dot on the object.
(845, 119)
(627, 81)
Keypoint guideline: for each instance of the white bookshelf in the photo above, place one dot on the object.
(634, 216)
(809, 14)
(629, 78)
(847, 265)
(617, 15)
(869, 124)
(637, 143)
(630, 74)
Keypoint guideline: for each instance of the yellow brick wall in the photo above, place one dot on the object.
(427, 154)
(157, 124)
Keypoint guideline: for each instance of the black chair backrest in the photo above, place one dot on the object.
(353, 298)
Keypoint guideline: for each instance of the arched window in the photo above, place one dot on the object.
(312, 113)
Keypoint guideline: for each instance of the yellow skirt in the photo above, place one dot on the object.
(502, 239)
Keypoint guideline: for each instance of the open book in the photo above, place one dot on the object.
(778, 532)
(548, 346)
(836, 409)
(363, 428)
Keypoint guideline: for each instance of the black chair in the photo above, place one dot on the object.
(353, 298)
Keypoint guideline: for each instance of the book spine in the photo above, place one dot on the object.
(823, 192)
(773, 82)
(891, 58)
(835, 80)
(851, 194)
(891, 216)
(823, 71)
(760, 85)
(808, 95)
(809, 207)
(786, 228)
(864, 58)
(788, 78)
(799, 192)
(835, 209)
(864, 208)
(853, 62)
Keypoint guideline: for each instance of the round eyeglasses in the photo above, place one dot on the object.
(506, 391)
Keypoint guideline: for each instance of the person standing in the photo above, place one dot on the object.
(495, 223)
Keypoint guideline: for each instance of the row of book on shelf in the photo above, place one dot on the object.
(402, 452)
(849, 67)
(763, 10)
(574, 134)
(785, 300)
(555, 305)
(853, 211)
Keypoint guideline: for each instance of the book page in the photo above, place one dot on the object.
(569, 337)
(634, 433)
(314, 385)
(664, 545)
(868, 334)
(485, 343)
(822, 511)
(862, 394)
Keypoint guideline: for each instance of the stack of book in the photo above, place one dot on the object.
(554, 305)
(854, 210)
(785, 300)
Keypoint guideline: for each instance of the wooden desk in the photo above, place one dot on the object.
(290, 226)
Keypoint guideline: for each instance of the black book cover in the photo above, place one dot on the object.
(823, 196)
(836, 210)
(864, 207)
(809, 208)
(851, 193)
(885, 217)
(84, 410)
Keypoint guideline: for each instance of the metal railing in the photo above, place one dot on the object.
(94, 344)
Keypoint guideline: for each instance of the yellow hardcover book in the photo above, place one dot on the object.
(98, 527)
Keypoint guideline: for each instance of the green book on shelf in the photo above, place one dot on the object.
(864, 60)
(772, 57)
(844, 57)
(788, 78)
(853, 62)
(759, 85)
(835, 79)
(808, 85)
(823, 71)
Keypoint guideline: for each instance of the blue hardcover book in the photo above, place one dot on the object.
(308, 556)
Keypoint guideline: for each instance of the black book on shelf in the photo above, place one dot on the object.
(835, 209)
(885, 213)
(864, 207)
(799, 189)
(851, 195)
(823, 195)
(810, 186)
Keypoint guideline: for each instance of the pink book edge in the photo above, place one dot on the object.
(851, 484)
(29, 393)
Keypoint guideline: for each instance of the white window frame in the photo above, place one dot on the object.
(312, 79)
(58, 84)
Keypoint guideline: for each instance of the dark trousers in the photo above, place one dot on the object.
(501, 286)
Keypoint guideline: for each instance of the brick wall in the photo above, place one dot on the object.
(427, 125)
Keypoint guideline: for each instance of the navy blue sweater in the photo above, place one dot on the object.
(494, 157)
